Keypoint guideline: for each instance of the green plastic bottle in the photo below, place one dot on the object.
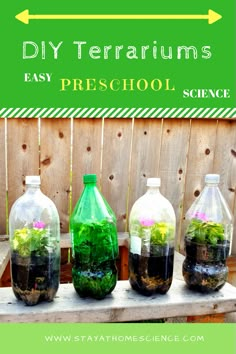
(94, 243)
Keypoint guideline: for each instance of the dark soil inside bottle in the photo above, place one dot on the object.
(153, 274)
(95, 281)
(204, 268)
(35, 278)
(205, 252)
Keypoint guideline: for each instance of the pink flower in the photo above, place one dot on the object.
(200, 216)
(146, 222)
(39, 225)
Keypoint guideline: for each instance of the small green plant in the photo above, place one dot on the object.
(161, 232)
(95, 242)
(205, 232)
(28, 240)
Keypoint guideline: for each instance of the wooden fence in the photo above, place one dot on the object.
(123, 153)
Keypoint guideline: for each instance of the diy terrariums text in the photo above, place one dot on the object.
(84, 50)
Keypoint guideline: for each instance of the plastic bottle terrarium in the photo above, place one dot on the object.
(35, 245)
(152, 225)
(94, 243)
(208, 238)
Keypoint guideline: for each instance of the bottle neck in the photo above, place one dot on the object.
(212, 185)
(153, 190)
(90, 185)
(32, 188)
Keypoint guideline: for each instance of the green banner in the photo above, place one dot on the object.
(118, 338)
(162, 57)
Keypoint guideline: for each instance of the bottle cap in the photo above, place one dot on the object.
(89, 179)
(212, 178)
(32, 180)
(153, 182)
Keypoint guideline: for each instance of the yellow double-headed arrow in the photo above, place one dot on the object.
(25, 16)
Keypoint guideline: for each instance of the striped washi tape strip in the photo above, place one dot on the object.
(118, 113)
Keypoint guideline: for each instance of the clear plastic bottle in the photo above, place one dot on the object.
(94, 243)
(152, 226)
(35, 245)
(208, 238)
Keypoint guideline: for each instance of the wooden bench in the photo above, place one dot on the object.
(66, 244)
(123, 305)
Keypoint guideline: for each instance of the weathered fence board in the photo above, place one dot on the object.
(55, 148)
(2, 179)
(22, 155)
(200, 161)
(173, 165)
(145, 157)
(225, 159)
(123, 153)
(225, 164)
(115, 166)
(87, 144)
(200, 158)
(234, 232)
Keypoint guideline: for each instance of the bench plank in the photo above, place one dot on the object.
(4, 255)
(65, 243)
(122, 305)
